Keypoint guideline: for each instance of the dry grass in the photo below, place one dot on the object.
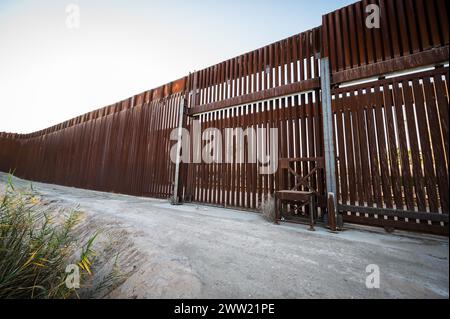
(36, 246)
(267, 208)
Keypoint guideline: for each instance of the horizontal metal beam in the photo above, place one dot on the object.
(435, 217)
(430, 57)
(304, 159)
(390, 223)
(390, 80)
(288, 89)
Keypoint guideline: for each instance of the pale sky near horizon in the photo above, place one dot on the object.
(50, 73)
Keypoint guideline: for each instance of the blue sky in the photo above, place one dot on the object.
(50, 73)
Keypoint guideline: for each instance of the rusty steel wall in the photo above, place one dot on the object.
(239, 184)
(408, 29)
(276, 86)
(281, 68)
(391, 134)
(111, 149)
(396, 132)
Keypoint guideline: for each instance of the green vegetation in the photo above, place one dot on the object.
(36, 245)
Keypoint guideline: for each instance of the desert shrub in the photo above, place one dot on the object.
(267, 208)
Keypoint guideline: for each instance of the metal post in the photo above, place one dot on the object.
(328, 132)
(331, 211)
(312, 209)
(176, 199)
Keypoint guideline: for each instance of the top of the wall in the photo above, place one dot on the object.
(411, 34)
(406, 28)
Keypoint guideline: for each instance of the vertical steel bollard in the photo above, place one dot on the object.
(328, 137)
(176, 199)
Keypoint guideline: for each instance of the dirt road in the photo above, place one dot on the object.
(194, 251)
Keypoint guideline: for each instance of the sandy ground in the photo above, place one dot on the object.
(193, 251)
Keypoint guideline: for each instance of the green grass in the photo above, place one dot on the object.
(35, 249)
